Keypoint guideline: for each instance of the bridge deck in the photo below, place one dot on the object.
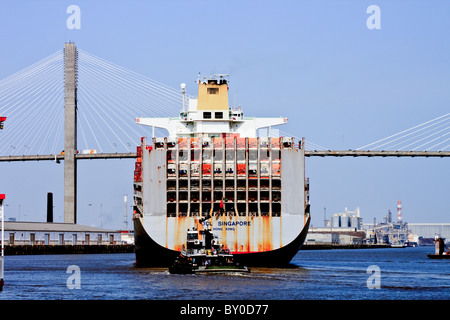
(60, 157)
(315, 153)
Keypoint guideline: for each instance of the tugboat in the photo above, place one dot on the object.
(439, 250)
(204, 254)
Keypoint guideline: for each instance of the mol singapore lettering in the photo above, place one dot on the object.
(229, 223)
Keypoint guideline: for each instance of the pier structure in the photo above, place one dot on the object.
(53, 233)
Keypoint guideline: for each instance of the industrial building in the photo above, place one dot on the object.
(343, 228)
(347, 228)
(426, 232)
(341, 236)
(50, 233)
(347, 219)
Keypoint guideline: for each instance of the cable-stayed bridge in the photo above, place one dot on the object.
(108, 100)
(73, 100)
(110, 97)
(428, 139)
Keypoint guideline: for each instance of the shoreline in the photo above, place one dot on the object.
(127, 248)
(328, 246)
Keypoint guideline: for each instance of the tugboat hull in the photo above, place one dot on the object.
(438, 256)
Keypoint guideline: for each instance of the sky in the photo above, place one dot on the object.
(341, 84)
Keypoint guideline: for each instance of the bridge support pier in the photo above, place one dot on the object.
(70, 133)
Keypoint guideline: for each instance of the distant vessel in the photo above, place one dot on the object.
(212, 163)
(398, 245)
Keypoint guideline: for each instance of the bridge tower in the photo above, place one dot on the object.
(70, 133)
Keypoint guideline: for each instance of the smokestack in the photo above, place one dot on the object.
(399, 211)
(49, 207)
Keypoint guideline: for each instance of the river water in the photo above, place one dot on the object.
(356, 274)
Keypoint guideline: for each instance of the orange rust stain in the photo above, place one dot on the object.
(267, 244)
(167, 222)
(200, 228)
(198, 225)
(179, 233)
(251, 234)
(248, 235)
(223, 232)
(235, 235)
(255, 238)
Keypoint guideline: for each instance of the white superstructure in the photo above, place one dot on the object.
(214, 119)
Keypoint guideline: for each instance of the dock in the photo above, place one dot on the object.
(328, 246)
(129, 248)
(67, 249)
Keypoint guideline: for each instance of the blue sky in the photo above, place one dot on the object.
(340, 85)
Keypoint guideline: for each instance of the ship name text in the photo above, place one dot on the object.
(229, 223)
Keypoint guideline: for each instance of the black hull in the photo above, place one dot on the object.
(151, 254)
(148, 252)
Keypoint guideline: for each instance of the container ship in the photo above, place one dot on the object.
(212, 171)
